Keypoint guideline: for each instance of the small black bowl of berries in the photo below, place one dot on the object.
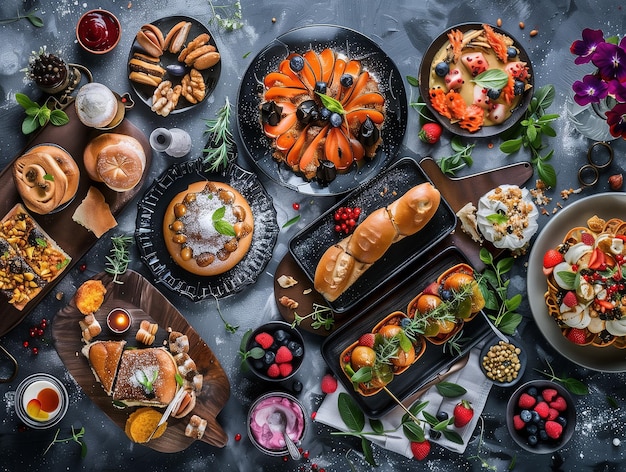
(274, 351)
(541, 416)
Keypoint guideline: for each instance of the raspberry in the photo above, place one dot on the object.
(329, 384)
(554, 429)
(285, 369)
(559, 404)
(283, 355)
(549, 394)
(543, 409)
(587, 238)
(367, 339)
(526, 402)
(273, 371)
(265, 340)
(552, 414)
(570, 299)
(518, 423)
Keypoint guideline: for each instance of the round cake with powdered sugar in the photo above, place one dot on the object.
(208, 228)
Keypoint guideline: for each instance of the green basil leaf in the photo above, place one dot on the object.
(59, 118)
(498, 218)
(244, 340)
(219, 213)
(430, 419)
(568, 277)
(509, 322)
(350, 412)
(377, 426)
(511, 146)
(363, 375)
(413, 431)
(575, 386)
(256, 353)
(417, 408)
(413, 81)
(29, 124)
(224, 227)
(450, 390)
(492, 79)
(25, 101)
(330, 103)
(367, 452)
(452, 436)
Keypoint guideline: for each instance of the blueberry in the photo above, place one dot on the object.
(532, 391)
(494, 94)
(336, 120)
(269, 358)
(281, 336)
(405, 322)
(543, 436)
(296, 348)
(325, 114)
(526, 416)
(442, 69)
(434, 434)
(446, 295)
(442, 416)
(297, 386)
(532, 429)
(511, 52)
(320, 87)
(258, 364)
(532, 440)
(518, 87)
(562, 421)
(535, 417)
(346, 80)
(296, 63)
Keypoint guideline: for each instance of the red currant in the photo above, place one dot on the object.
(35, 351)
(43, 323)
(25, 344)
(313, 415)
(82, 267)
(305, 454)
(237, 437)
(285, 458)
(296, 206)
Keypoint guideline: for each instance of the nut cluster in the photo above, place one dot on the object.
(502, 362)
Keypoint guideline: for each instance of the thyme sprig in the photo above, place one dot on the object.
(77, 437)
(220, 145)
(119, 258)
(321, 316)
(233, 21)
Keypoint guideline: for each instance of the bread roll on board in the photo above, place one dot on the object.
(343, 263)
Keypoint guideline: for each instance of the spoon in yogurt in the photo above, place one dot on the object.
(278, 422)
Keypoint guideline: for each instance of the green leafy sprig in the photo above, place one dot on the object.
(119, 257)
(234, 18)
(492, 79)
(530, 131)
(483, 462)
(30, 16)
(462, 157)
(77, 437)
(254, 353)
(418, 105)
(506, 318)
(221, 225)
(292, 221)
(321, 317)
(573, 385)
(227, 326)
(220, 146)
(39, 116)
(146, 380)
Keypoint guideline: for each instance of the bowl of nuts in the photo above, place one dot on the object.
(502, 362)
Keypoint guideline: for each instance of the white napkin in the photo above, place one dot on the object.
(470, 377)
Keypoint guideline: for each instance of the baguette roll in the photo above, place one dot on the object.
(343, 263)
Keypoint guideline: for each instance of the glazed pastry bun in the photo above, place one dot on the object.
(96, 105)
(117, 160)
(46, 177)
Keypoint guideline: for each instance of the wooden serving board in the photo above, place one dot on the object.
(144, 302)
(73, 238)
(457, 191)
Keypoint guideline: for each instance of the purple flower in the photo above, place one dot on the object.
(586, 47)
(617, 90)
(591, 89)
(610, 59)
(616, 119)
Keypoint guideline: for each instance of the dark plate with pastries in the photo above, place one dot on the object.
(144, 302)
(150, 237)
(436, 359)
(59, 224)
(310, 244)
(148, 67)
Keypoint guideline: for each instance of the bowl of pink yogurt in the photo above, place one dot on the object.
(261, 431)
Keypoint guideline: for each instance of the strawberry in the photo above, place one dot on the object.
(463, 413)
(551, 258)
(587, 238)
(273, 371)
(329, 384)
(577, 335)
(518, 423)
(526, 402)
(543, 409)
(420, 449)
(283, 355)
(559, 404)
(570, 299)
(553, 429)
(285, 369)
(430, 133)
(367, 339)
(265, 340)
(549, 394)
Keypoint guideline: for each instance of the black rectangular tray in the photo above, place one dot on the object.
(308, 246)
(433, 361)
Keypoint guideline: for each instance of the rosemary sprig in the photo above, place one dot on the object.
(321, 316)
(221, 142)
(117, 261)
(231, 22)
(76, 437)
